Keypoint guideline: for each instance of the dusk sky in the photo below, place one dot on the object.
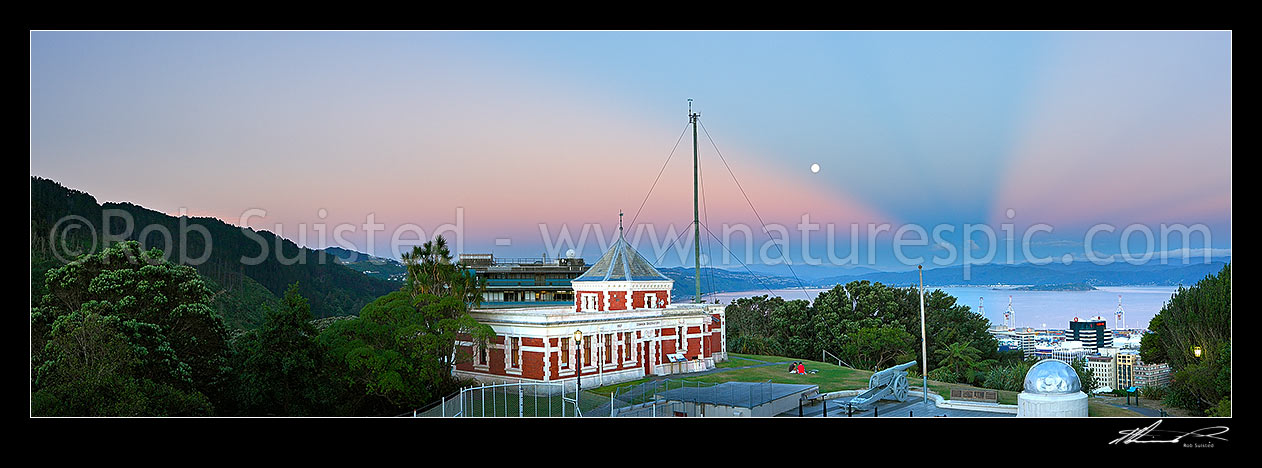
(566, 128)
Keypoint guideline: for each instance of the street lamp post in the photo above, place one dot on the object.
(578, 367)
(924, 353)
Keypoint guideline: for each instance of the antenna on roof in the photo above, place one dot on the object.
(696, 221)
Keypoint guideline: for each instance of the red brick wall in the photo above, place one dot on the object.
(495, 357)
(533, 361)
(532, 364)
(638, 299)
(617, 300)
(694, 348)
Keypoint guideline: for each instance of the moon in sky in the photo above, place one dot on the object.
(815, 168)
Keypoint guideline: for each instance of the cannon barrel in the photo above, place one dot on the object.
(886, 376)
(901, 367)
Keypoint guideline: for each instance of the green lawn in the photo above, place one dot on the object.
(747, 360)
(830, 377)
(1100, 409)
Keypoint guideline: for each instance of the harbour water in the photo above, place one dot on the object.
(1039, 309)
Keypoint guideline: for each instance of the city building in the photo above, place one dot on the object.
(1091, 333)
(1024, 339)
(1069, 351)
(1127, 342)
(1104, 369)
(517, 282)
(1008, 344)
(630, 330)
(1027, 339)
(1152, 375)
(1125, 375)
(1066, 351)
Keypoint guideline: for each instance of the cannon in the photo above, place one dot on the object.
(887, 384)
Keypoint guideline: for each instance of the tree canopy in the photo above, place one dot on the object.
(868, 325)
(283, 368)
(1195, 317)
(399, 352)
(143, 328)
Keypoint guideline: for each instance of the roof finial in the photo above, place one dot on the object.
(619, 223)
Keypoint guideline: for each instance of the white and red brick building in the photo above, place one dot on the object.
(629, 326)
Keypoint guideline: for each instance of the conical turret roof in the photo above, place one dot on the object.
(622, 263)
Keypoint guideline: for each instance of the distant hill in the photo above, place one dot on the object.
(1057, 287)
(719, 280)
(244, 291)
(809, 273)
(1115, 274)
(376, 267)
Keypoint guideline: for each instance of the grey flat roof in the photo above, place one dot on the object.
(737, 394)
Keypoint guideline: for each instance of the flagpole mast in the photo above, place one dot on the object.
(924, 354)
(696, 225)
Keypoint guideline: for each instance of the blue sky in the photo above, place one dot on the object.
(1066, 128)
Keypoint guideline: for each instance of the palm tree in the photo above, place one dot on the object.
(430, 271)
(963, 360)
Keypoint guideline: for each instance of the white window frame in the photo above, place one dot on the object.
(509, 353)
(564, 346)
(589, 344)
(477, 356)
(628, 345)
(608, 348)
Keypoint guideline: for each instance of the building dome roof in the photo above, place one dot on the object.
(622, 263)
(1052, 377)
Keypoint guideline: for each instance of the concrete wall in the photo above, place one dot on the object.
(1036, 405)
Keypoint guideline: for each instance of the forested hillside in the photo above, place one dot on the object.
(241, 291)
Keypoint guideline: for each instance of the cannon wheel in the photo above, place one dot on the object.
(899, 388)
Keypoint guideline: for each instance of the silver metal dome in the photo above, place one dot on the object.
(1052, 377)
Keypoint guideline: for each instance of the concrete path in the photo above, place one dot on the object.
(1151, 412)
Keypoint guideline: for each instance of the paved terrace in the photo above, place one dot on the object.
(913, 407)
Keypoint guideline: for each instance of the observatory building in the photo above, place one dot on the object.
(524, 282)
(621, 324)
(1052, 389)
(630, 329)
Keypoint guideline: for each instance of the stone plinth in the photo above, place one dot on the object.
(1036, 405)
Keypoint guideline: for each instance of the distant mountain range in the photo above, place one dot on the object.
(1115, 274)
(719, 280)
(1052, 277)
(808, 273)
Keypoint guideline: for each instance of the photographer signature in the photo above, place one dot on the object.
(1147, 435)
